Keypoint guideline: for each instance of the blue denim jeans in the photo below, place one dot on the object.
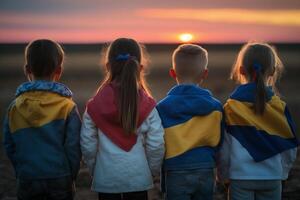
(45, 189)
(195, 184)
(255, 190)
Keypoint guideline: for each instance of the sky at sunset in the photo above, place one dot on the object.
(94, 21)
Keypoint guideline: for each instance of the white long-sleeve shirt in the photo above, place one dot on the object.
(115, 170)
(236, 163)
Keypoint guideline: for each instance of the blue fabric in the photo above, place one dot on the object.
(184, 102)
(9, 144)
(42, 85)
(246, 93)
(50, 151)
(260, 144)
(123, 57)
(190, 184)
(40, 153)
(192, 158)
(255, 142)
(257, 67)
(72, 141)
(255, 190)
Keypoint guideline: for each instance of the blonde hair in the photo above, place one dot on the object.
(189, 60)
(270, 66)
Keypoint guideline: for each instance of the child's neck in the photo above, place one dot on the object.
(189, 82)
(42, 79)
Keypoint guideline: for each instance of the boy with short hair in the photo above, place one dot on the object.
(42, 128)
(192, 119)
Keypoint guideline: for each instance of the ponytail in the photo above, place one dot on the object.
(260, 94)
(123, 59)
(128, 96)
(262, 66)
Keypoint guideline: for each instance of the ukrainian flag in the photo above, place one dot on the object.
(192, 120)
(263, 136)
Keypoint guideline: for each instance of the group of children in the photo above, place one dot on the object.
(126, 139)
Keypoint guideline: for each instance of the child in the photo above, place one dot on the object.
(122, 136)
(42, 127)
(260, 144)
(192, 119)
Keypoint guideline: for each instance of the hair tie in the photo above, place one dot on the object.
(257, 69)
(123, 57)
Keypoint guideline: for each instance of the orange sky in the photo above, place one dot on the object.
(93, 21)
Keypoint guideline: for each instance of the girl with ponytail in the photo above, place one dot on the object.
(260, 142)
(122, 136)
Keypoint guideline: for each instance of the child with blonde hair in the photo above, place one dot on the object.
(260, 143)
(192, 119)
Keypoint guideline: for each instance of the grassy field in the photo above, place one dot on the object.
(83, 73)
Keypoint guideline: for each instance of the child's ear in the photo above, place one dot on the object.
(28, 72)
(242, 70)
(172, 73)
(57, 73)
(205, 74)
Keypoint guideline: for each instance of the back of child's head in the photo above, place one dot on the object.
(42, 57)
(189, 60)
(123, 59)
(261, 65)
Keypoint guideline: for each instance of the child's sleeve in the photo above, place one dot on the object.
(155, 145)
(72, 141)
(89, 142)
(287, 160)
(288, 157)
(223, 159)
(8, 143)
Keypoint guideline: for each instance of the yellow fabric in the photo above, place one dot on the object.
(273, 121)
(37, 108)
(196, 132)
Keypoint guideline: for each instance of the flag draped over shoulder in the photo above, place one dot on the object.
(192, 119)
(263, 136)
(103, 110)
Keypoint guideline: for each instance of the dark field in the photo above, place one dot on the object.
(82, 73)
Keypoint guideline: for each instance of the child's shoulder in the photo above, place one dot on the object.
(42, 96)
(189, 95)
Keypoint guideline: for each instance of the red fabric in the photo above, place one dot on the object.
(104, 112)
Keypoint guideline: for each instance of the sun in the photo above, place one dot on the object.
(186, 37)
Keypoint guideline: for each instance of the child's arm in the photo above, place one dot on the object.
(155, 145)
(223, 159)
(89, 142)
(72, 141)
(8, 143)
(287, 160)
(288, 157)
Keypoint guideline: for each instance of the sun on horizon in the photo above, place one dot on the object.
(186, 37)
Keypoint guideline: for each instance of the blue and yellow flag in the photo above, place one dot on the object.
(192, 120)
(263, 136)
